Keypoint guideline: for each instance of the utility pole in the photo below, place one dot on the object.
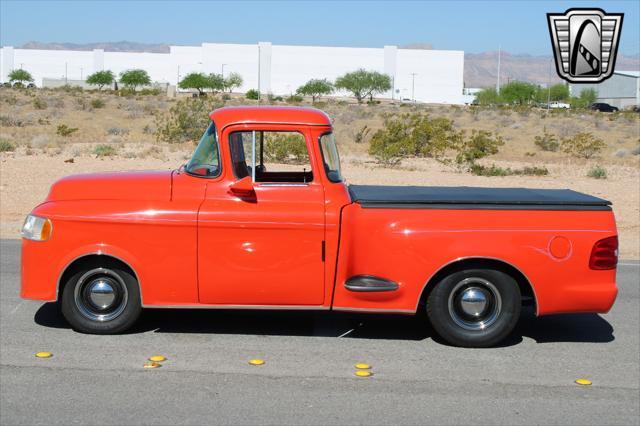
(413, 86)
(549, 85)
(223, 70)
(498, 82)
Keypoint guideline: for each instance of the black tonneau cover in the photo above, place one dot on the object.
(464, 197)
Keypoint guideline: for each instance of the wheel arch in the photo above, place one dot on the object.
(526, 288)
(88, 259)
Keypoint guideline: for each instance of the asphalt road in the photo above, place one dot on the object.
(308, 375)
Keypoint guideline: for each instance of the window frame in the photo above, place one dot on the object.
(217, 145)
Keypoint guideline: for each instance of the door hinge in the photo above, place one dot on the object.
(323, 250)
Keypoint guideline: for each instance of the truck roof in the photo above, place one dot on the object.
(269, 114)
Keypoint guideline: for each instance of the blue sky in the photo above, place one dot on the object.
(472, 26)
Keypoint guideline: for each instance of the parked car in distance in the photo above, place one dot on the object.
(558, 105)
(603, 107)
(235, 228)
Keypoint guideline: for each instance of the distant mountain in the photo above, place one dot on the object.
(480, 69)
(118, 46)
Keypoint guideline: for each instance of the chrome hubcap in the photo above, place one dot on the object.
(101, 295)
(475, 304)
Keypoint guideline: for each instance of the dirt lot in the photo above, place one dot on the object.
(29, 123)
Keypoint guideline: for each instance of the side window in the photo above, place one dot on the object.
(278, 157)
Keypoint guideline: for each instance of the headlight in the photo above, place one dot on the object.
(36, 228)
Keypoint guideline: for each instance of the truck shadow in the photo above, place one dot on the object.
(586, 328)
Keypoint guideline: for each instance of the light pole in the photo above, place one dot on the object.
(81, 73)
(413, 86)
(223, 70)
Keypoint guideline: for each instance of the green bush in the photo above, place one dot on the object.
(64, 130)
(480, 144)
(39, 103)
(6, 146)
(186, 120)
(104, 150)
(597, 172)
(252, 94)
(286, 148)
(413, 135)
(294, 99)
(547, 142)
(493, 170)
(97, 103)
(582, 145)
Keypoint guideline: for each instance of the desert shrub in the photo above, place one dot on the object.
(547, 141)
(81, 103)
(10, 121)
(97, 103)
(493, 170)
(287, 148)
(361, 135)
(39, 103)
(252, 94)
(582, 145)
(64, 130)
(186, 120)
(226, 97)
(117, 131)
(104, 150)
(6, 146)
(480, 144)
(413, 135)
(597, 172)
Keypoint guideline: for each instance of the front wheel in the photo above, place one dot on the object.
(101, 299)
(475, 307)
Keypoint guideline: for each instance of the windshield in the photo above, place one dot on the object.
(206, 158)
(330, 157)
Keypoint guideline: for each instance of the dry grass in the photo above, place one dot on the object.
(128, 125)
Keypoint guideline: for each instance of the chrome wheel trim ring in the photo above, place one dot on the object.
(474, 304)
(87, 297)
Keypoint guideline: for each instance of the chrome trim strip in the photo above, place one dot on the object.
(460, 259)
(247, 307)
(96, 253)
(369, 283)
(390, 311)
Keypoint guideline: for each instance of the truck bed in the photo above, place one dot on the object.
(463, 197)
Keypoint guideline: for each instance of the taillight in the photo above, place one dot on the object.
(604, 254)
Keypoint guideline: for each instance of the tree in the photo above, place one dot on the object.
(20, 76)
(488, 96)
(316, 88)
(134, 78)
(559, 92)
(364, 83)
(518, 92)
(586, 98)
(101, 79)
(232, 81)
(195, 80)
(215, 82)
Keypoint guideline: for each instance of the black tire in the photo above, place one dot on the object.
(454, 305)
(86, 317)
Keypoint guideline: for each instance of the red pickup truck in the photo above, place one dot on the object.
(241, 227)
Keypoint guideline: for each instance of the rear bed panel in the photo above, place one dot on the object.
(409, 245)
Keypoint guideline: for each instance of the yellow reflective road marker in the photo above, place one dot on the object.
(256, 361)
(44, 354)
(362, 366)
(583, 382)
(157, 358)
(363, 373)
(151, 364)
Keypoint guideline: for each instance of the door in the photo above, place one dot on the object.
(266, 248)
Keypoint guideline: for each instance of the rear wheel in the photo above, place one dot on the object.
(474, 307)
(101, 299)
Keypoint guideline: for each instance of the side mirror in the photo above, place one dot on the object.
(243, 187)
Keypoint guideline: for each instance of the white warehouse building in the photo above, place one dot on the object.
(434, 76)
